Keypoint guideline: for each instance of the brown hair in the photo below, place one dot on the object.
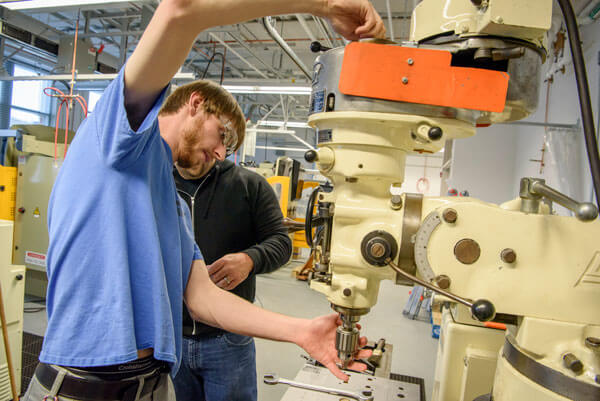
(217, 101)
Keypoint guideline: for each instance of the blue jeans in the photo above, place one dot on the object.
(221, 368)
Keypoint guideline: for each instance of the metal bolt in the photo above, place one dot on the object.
(450, 215)
(347, 292)
(508, 255)
(572, 363)
(443, 281)
(410, 61)
(351, 179)
(467, 251)
(404, 80)
(396, 202)
(593, 342)
(377, 250)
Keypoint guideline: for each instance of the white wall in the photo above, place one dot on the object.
(484, 164)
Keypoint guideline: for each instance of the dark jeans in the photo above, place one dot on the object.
(218, 368)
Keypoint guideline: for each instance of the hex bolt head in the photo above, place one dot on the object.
(508, 255)
(410, 61)
(450, 215)
(572, 363)
(347, 292)
(404, 80)
(377, 250)
(593, 342)
(396, 202)
(443, 281)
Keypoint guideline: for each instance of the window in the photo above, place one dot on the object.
(29, 104)
(93, 98)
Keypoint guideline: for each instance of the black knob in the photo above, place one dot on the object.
(311, 155)
(19, 277)
(435, 133)
(2, 188)
(477, 3)
(316, 47)
(483, 310)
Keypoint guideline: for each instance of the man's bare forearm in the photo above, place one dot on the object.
(211, 305)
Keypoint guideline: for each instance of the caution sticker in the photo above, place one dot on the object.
(36, 212)
(34, 258)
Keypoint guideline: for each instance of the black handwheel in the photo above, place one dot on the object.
(309, 217)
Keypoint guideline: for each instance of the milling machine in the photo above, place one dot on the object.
(468, 63)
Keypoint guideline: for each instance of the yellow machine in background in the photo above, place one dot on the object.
(292, 192)
(469, 63)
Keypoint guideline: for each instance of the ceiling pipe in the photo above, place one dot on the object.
(249, 50)
(284, 46)
(321, 28)
(390, 21)
(218, 39)
(306, 28)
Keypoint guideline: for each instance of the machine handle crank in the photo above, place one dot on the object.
(534, 189)
(482, 309)
(365, 395)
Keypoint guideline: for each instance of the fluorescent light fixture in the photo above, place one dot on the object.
(48, 4)
(270, 90)
(289, 124)
(270, 131)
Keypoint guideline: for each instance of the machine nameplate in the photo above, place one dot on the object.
(324, 135)
(429, 224)
(317, 101)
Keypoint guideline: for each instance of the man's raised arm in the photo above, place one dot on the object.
(176, 23)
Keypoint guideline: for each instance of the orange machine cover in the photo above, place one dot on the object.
(377, 71)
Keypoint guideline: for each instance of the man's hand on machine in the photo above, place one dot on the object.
(319, 341)
(354, 19)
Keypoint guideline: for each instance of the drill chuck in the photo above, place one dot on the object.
(346, 343)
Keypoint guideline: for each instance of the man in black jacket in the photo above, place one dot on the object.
(238, 227)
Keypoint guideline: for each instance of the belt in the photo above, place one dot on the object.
(89, 389)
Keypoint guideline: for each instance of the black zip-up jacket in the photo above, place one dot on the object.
(235, 210)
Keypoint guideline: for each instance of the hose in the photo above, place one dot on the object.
(585, 104)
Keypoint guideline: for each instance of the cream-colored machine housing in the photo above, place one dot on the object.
(516, 264)
(12, 280)
(33, 155)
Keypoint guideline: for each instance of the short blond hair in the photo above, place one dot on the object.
(217, 101)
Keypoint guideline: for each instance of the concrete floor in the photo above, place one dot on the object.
(414, 348)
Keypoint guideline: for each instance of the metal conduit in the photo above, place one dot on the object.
(284, 46)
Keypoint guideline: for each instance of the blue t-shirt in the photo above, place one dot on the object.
(121, 243)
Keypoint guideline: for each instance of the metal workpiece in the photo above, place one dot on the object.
(532, 190)
(362, 395)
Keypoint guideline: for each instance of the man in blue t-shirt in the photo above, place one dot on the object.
(122, 255)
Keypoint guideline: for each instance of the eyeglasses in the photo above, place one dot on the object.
(228, 137)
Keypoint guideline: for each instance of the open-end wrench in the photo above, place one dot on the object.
(365, 395)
